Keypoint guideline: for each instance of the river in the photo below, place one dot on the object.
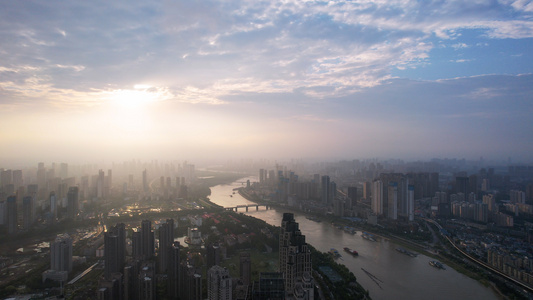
(398, 276)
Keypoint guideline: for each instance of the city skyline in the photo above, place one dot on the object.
(106, 82)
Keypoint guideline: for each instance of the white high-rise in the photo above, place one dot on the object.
(61, 253)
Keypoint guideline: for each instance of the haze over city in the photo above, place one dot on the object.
(104, 81)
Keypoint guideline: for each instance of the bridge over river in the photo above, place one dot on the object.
(257, 206)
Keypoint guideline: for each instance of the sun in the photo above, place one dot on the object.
(135, 98)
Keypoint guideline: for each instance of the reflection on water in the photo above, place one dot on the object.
(399, 276)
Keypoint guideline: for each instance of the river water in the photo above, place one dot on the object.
(397, 276)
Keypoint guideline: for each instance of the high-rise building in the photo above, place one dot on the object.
(367, 190)
(352, 194)
(392, 197)
(145, 181)
(410, 203)
(17, 179)
(72, 202)
(433, 183)
(219, 285)
(61, 253)
(271, 285)
(147, 282)
(27, 211)
(173, 271)
(147, 239)
(517, 196)
(12, 217)
(490, 200)
(190, 287)
(262, 176)
(112, 288)
(115, 249)
(41, 175)
(377, 197)
(10, 189)
(136, 245)
(166, 240)
(213, 255)
(338, 206)
(6, 177)
(3, 213)
(295, 259)
(245, 268)
(462, 185)
(63, 172)
(53, 205)
(472, 184)
(100, 184)
(130, 272)
(529, 193)
(392, 201)
(325, 189)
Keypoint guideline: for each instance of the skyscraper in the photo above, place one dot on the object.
(6, 177)
(295, 259)
(352, 194)
(245, 268)
(271, 286)
(173, 270)
(147, 282)
(147, 239)
(3, 212)
(391, 196)
(218, 284)
(325, 188)
(17, 179)
(61, 253)
(72, 202)
(166, 239)
(12, 217)
(53, 205)
(27, 211)
(145, 181)
(190, 287)
(115, 250)
(100, 184)
(213, 255)
(377, 197)
(462, 185)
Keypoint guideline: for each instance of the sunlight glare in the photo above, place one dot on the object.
(133, 98)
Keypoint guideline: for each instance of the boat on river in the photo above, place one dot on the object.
(333, 252)
(368, 236)
(437, 264)
(406, 252)
(349, 230)
(351, 251)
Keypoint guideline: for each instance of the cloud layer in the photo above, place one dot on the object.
(289, 63)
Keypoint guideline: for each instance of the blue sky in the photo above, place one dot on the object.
(118, 80)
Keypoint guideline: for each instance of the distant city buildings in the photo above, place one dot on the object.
(393, 197)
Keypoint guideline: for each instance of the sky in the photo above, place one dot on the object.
(119, 80)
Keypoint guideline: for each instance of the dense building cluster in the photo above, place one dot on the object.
(137, 276)
(46, 195)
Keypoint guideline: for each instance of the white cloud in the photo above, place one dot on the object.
(206, 51)
(459, 46)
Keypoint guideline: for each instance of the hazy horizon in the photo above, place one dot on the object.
(214, 80)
